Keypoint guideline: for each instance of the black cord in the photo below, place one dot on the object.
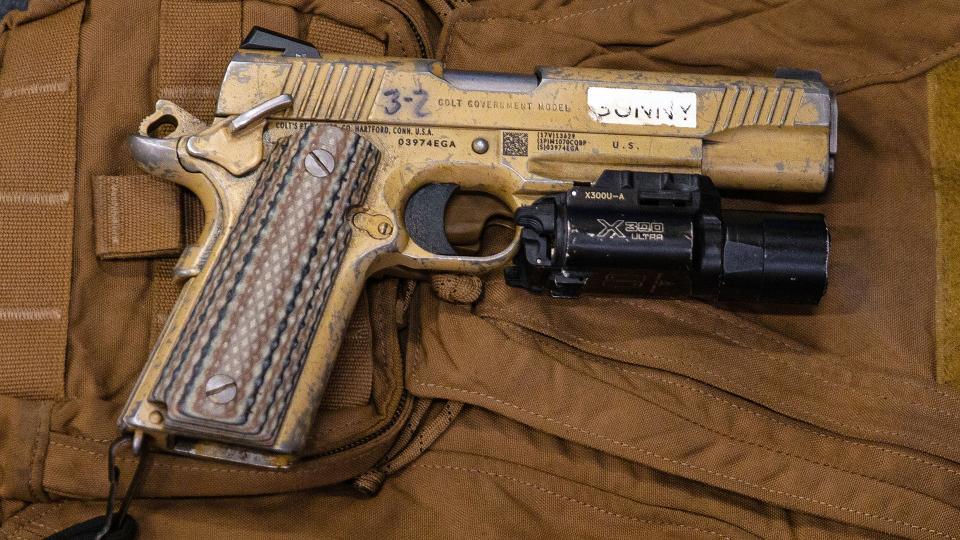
(113, 473)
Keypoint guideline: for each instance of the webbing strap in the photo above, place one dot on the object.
(328, 36)
(283, 19)
(352, 378)
(197, 40)
(163, 294)
(136, 217)
(38, 105)
(131, 217)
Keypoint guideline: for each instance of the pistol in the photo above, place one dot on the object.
(319, 170)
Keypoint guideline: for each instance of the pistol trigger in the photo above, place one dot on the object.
(424, 218)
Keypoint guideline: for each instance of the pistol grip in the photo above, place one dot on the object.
(275, 300)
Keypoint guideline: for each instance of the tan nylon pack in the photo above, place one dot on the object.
(483, 410)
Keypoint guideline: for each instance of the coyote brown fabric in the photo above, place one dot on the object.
(127, 221)
(597, 417)
(38, 94)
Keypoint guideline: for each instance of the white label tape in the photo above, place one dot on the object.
(642, 107)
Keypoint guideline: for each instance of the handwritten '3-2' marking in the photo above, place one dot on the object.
(395, 101)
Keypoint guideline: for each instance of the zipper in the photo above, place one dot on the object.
(418, 31)
(417, 436)
(397, 413)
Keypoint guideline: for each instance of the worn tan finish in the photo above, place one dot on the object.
(749, 133)
(516, 138)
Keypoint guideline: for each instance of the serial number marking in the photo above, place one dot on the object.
(559, 141)
(642, 107)
(439, 143)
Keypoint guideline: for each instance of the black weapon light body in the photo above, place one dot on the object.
(661, 234)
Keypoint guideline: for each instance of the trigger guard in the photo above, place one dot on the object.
(424, 215)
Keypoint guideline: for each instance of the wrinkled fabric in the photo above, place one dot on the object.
(595, 417)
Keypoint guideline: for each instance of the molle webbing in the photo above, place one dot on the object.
(197, 40)
(127, 221)
(38, 105)
(328, 36)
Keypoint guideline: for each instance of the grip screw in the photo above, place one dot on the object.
(221, 389)
(385, 228)
(320, 163)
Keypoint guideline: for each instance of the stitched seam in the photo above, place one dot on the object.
(391, 30)
(563, 17)
(297, 472)
(945, 51)
(114, 213)
(779, 340)
(780, 361)
(570, 499)
(747, 326)
(791, 365)
(29, 314)
(636, 371)
(353, 422)
(616, 364)
(721, 377)
(731, 382)
(82, 438)
(38, 524)
(417, 358)
(779, 422)
(34, 491)
(751, 443)
(35, 89)
(24, 523)
(682, 463)
(34, 198)
(764, 333)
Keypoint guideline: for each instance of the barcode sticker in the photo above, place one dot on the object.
(642, 107)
